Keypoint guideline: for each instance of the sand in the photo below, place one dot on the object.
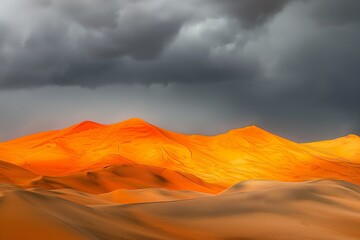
(133, 180)
(323, 209)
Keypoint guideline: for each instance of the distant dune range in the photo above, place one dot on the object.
(133, 180)
(225, 159)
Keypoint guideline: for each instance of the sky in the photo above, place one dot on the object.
(291, 67)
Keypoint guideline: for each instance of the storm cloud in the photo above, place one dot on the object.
(287, 64)
(93, 43)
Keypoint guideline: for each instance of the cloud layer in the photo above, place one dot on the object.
(93, 43)
(288, 62)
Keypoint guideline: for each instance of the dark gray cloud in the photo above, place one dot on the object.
(92, 43)
(334, 12)
(286, 64)
(252, 13)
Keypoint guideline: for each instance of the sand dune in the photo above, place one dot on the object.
(249, 210)
(347, 147)
(133, 180)
(125, 176)
(10, 173)
(107, 179)
(240, 154)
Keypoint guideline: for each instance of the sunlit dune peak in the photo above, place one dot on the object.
(83, 126)
(352, 136)
(253, 131)
(136, 126)
(133, 124)
(135, 121)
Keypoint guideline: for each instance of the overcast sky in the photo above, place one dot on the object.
(194, 66)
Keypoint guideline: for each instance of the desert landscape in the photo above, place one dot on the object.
(134, 180)
(179, 120)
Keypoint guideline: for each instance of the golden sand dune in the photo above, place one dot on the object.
(347, 147)
(249, 210)
(240, 154)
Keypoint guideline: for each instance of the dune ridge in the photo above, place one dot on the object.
(224, 159)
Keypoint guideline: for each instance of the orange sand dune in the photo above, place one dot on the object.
(107, 179)
(10, 173)
(240, 154)
(249, 210)
(125, 176)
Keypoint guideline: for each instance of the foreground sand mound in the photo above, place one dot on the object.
(251, 210)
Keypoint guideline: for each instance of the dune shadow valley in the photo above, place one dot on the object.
(134, 180)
